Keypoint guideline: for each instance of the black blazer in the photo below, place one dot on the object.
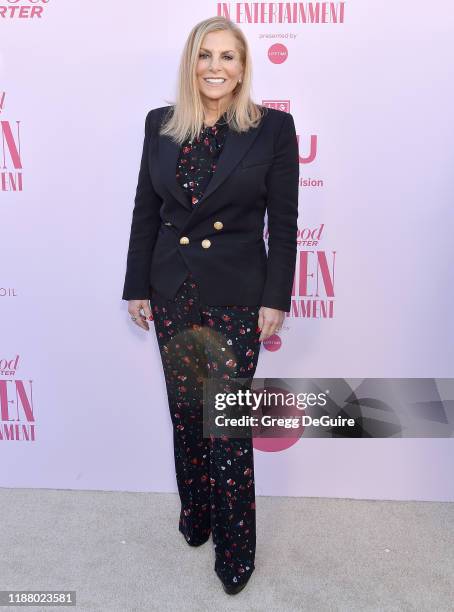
(220, 240)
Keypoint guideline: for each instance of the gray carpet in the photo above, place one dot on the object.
(123, 551)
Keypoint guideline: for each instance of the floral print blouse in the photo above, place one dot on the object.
(198, 159)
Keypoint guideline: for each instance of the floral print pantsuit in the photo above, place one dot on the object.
(215, 476)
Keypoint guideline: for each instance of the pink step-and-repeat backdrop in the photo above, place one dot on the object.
(369, 83)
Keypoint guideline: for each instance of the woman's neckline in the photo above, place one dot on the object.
(222, 119)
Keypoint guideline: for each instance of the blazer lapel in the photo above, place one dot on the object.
(235, 147)
(168, 151)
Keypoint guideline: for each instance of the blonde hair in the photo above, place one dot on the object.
(187, 117)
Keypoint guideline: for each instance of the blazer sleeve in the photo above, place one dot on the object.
(144, 228)
(282, 210)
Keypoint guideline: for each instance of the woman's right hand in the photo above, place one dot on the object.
(134, 309)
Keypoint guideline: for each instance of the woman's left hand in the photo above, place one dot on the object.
(270, 321)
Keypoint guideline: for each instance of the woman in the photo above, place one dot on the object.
(212, 165)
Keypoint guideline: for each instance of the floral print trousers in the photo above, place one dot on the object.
(215, 475)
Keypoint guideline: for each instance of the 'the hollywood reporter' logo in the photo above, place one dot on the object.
(17, 421)
(10, 156)
(23, 9)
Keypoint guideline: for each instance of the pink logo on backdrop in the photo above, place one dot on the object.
(313, 291)
(23, 9)
(277, 53)
(266, 442)
(282, 105)
(273, 343)
(17, 422)
(309, 147)
(283, 12)
(11, 162)
(313, 284)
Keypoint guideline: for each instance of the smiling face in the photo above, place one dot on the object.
(218, 67)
